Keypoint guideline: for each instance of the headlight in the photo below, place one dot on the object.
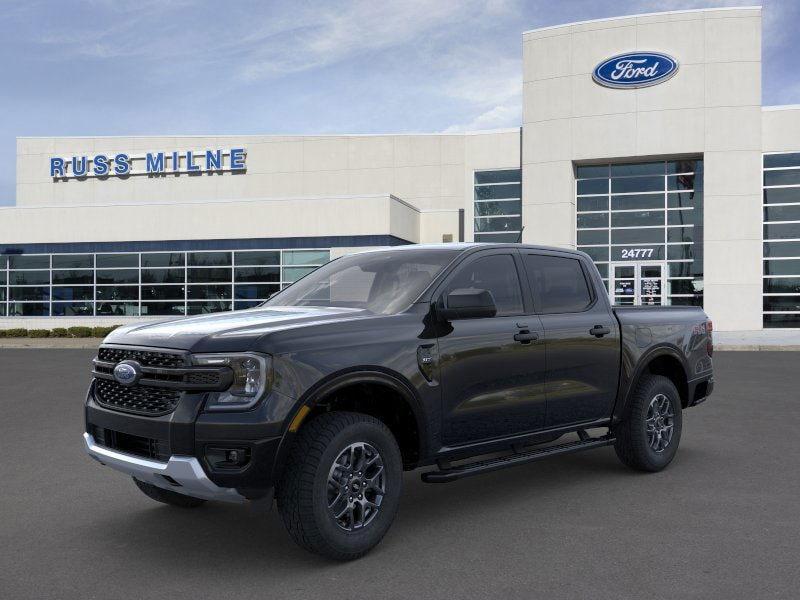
(252, 377)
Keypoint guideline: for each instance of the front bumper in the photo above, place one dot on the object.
(181, 474)
(189, 433)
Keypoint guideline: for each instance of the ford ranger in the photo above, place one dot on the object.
(466, 358)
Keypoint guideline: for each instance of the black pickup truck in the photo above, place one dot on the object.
(465, 357)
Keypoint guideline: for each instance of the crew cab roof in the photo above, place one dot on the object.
(464, 246)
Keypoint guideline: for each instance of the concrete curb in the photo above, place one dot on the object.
(51, 343)
(756, 348)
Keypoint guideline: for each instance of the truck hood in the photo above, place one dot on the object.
(230, 331)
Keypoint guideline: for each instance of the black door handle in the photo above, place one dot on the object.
(526, 337)
(599, 331)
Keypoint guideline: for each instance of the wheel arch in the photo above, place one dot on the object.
(375, 391)
(666, 361)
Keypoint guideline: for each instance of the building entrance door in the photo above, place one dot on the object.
(637, 283)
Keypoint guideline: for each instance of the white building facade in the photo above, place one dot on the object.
(662, 165)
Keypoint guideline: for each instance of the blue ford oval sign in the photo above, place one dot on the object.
(635, 70)
(127, 372)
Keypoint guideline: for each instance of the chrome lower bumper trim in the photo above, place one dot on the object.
(185, 470)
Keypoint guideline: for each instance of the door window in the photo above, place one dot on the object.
(559, 284)
(496, 273)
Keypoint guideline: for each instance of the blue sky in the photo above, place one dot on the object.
(152, 67)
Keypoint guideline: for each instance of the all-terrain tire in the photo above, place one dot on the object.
(168, 496)
(308, 500)
(639, 440)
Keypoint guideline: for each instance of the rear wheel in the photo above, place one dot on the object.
(341, 485)
(648, 439)
(168, 496)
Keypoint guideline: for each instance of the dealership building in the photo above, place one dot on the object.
(643, 143)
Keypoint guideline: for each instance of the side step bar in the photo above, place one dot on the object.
(510, 460)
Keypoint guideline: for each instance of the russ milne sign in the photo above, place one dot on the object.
(635, 70)
(152, 163)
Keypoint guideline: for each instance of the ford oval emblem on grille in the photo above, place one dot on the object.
(635, 70)
(128, 372)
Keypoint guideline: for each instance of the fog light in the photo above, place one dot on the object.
(227, 458)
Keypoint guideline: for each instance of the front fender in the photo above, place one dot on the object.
(341, 379)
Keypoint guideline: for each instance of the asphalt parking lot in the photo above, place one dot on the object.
(721, 522)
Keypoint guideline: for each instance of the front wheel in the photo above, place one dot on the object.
(648, 439)
(341, 485)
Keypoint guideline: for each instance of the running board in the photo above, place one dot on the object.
(510, 460)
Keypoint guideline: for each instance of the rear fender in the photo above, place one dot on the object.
(628, 383)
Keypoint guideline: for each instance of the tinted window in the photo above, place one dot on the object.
(498, 275)
(163, 259)
(558, 283)
(73, 261)
(382, 282)
(29, 262)
(114, 261)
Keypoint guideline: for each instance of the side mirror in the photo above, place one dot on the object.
(468, 303)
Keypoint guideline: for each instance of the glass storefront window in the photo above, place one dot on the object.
(29, 277)
(209, 259)
(73, 261)
(245, 304)
(29, 293)
(172, 283)
(28, 309)
(637, 184)
(72, 309)
(117, 276)
(163, 292)
(497, 205)
(118, 309)
(292, 274)
(645, 213)
(305, 257)
(500, 176)
(258, 258)
(66, 277)
(781, 299)
(175, 309)
(209, 292)
(114, 261)
(202, 308)
(163, 275)
(117, 292)
(163, 259)
(593, 220)
(215, 275)
(257, 274)
(258, 292)
(29, 261)
(71, 292)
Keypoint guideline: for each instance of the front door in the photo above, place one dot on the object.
(637, 283)
(492, 383)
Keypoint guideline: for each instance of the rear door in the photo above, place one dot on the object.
(582, 338)
(492, 383)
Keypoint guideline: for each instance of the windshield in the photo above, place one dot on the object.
(381, 282)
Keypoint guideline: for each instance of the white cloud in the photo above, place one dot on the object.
(330, 35)
(497, 117)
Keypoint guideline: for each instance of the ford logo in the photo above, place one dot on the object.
(127, 372)
(635, 70)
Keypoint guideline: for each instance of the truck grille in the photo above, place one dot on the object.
(140, 399)
(146, 358)
(132, 444)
